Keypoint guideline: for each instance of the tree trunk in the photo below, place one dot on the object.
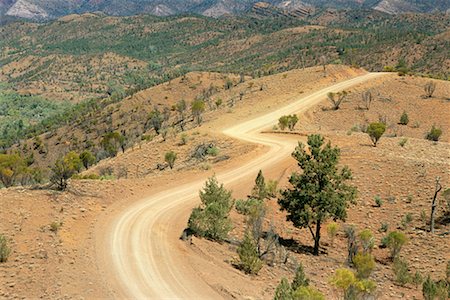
(317, 239)
(434, 204)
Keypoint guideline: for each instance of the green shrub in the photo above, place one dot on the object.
(366, 240)
(378, 201)
(375, 132)
(283, 291)
(170, 158)
(4, 249)
(211, 219)
(300, 279)
(403, 142)
(249, 260)
(87, 159)
(332, 230)
(55, 226)
(404, 119)
(307, 293)
(244, 207)
(384, 227)
(365, 264)
(272, 188)
(352, 288)
(401, 272)
(417, 279)
(288, 121)
(406, 220)
(64, 169)
(259, 190)
(395, 241)
(213, 151)
(434, 134)
(429, 289)
(183, 139)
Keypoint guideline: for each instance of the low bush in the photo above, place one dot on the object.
(249, 260)
(5, 251)
(434, 134)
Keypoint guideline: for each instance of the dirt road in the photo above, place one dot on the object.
(140, 247)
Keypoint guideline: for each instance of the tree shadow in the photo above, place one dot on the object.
(295, 246)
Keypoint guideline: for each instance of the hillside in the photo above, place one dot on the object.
(65, 237)
(51, 9)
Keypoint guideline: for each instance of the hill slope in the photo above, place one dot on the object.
(50, 9)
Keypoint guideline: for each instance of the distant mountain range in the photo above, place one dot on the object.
(51, 9)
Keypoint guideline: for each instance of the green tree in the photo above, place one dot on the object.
(307, 293)
(87, 158)
(155, 119)
(283, 291)
(352, 288)
(111, 143)
(395, 241)
(365, 264)
(259, 190)
(249, 260)
(283, 122)
(170, 158)
(300, 279)
(198, 108)
(64, 169)
(12, 166)
(320, 192)
(376, 131)
(211, 219)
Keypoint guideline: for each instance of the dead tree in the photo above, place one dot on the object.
(337, 98)
(434, 203)
(367, 98)
(429, 88)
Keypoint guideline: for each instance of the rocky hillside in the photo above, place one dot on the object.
(51, 9)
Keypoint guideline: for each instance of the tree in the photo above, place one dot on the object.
(429, 88)
(87, 158)
(170, 158)
(437, 190)
(376, 131)
(351, 287)
(337, 98)
(288, 121)
(300, 278)
(64, 169)
(259, 190)
(111, 143)
(198, 108)
(181, 107)
(367, 98)
(320, 192)
(395, 241)
(404, 119)
(156, 119)
(365, 264)
(249, 260)
(11, 167)
(211, 219)
(283, 290)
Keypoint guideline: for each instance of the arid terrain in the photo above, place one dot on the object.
(68, 245)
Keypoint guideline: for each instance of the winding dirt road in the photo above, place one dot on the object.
(140, 245)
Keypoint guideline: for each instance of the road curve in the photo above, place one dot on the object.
(140, 243)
